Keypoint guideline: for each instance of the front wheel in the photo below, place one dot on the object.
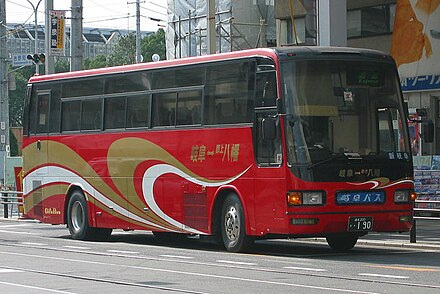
(233, 225)
(342, 242)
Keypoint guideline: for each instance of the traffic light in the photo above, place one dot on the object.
(37, 58)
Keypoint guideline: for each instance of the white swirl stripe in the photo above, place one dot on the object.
(56, 174)
(154, 172)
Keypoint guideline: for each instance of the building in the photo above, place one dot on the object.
(96, 41)
(364, 24)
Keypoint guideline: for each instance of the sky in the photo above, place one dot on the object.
(117, 14)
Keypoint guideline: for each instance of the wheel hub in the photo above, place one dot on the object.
(232, 224)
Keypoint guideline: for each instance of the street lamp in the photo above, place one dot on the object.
(35, 8)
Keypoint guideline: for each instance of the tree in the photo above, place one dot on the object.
(154, 44)
(98, 62)
(124, 51)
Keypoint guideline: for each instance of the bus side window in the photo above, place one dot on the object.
(268, 150)
(42, 113)
(266, 91)
(70, 114)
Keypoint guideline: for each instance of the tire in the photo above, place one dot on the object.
(77, 220)
(342, 242)
(232, 225)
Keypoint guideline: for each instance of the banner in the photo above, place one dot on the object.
(57, 30)
(416, 44)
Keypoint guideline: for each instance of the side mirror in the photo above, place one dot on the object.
(269, 128)
(428, 131)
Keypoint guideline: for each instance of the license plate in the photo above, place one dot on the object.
(360, 223)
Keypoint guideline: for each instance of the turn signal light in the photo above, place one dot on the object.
(413, 196)
(294, 198)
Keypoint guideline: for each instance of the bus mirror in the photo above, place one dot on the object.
(428, 131)
(269, 129)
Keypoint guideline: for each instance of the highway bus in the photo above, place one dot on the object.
(262, 143)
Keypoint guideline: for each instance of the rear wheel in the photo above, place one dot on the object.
(233, 225)
(342, 242)
(77, 220)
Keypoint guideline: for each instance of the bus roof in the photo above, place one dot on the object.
(264, 52)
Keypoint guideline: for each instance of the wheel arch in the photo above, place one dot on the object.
(219, 198)
(72, 188)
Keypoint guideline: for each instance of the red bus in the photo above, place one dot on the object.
(263, 143)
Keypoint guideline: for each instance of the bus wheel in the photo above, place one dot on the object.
(342, 242)
(77, 220)
(233, 225)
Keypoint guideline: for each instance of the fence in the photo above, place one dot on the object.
(427, 207)
(11, 200)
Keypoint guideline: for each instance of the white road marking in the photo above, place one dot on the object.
(15, 232)
(33, 244)
(305, 269)
(383, 276)
(7, 270)
(195, 274)
(13, 226)
(34, 288)
(236, 262)
(177, 256)
(122, 252)
(77, 247)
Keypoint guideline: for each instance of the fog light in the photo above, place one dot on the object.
(304, 221)
(405, 218)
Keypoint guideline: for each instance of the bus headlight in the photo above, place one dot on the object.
(295, 198)
(404, 196)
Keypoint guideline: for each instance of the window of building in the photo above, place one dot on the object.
(370, 21)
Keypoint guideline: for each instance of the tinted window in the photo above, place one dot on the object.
(91, 114)
(128, 83)
(164, 109)
(70, 115)
(114, 113)
(138, 111)
(78, 88)
(42, 113)
(189, 108)
(229, 93)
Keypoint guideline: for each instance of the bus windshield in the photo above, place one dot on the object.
(342, 110)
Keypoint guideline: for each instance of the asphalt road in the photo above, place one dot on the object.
(40, 258)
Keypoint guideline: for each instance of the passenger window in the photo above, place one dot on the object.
(114, 113)
(138, 111)
(42, 113)
(70, 115)
(164, 109)
(91, 115)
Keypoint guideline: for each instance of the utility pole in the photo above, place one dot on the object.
(138, 32)
(50, 63)
(4, 98)
(35, 8)
(210, 25)
(76, 41)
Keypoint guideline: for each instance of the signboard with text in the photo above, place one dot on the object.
(57, 31)
(416, 44)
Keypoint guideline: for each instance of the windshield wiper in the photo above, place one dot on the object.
(347, 156)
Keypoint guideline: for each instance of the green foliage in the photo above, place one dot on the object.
(154, 44)
(98, 62)
(124, 51)
(62, 65)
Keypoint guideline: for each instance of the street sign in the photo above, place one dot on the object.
(57, 23)
(20, 60)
